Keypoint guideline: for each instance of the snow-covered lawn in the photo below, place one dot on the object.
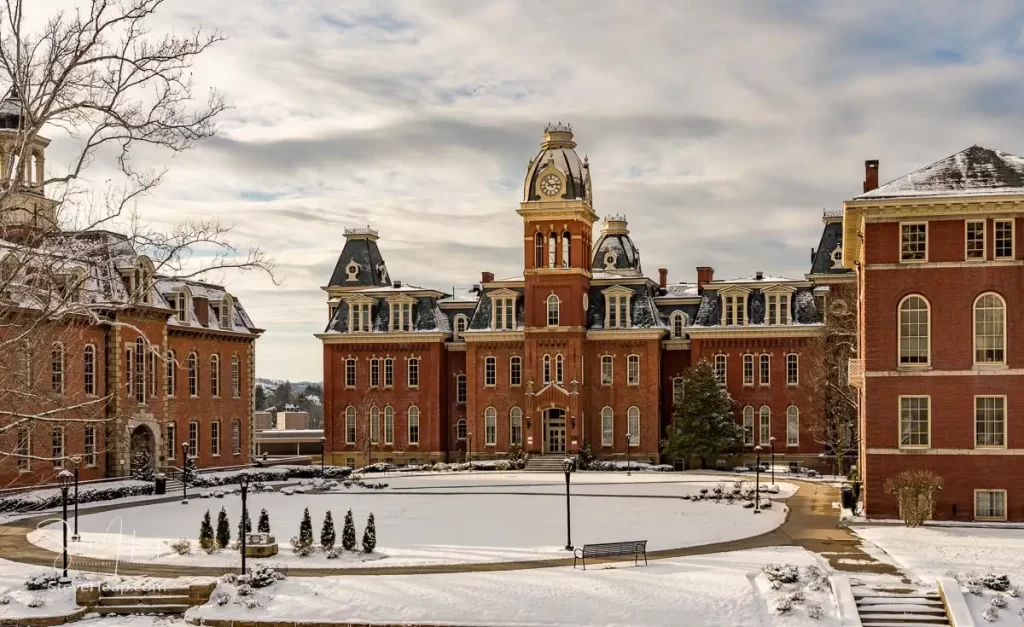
(446, 518)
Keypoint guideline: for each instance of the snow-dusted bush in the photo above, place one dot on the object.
(289, 491)
(378, 467)
(999, 583)
(42, 581)
(998, 601)
(182, 547)
(915, 493)
(87, 493)
(785, 573)
(36, 601)
(220, 597)
(773, 489)
(5, 597)
(440, 467)
(749, 505)
(766, 504)
(333, 553)
(783, 604)
(259, 576)
(796, 597)
(815, 612)
(991, 615)
(816, 579)
(244, 590)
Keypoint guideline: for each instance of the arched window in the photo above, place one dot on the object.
(461, 322)
(215, 376)
(184, 303)
(389, 425)
(559, 369)
(89, 369)
(633, 417)
(607, 427)
(566, 249)
(227, 311)
(414, 425)
(460, 429)
(57, 367)
(193, 375)
(678, 324)
(547, 369)
(766, 425)
(989, 329)
(678, 389)
(171, 379)
(374, 424)
(552, 250)
(552, 310)
(792, 426)
(140, 370)
(515, 423)
(915, 330)
(748, 425)
(490, 426)
(350, 425)
(538, 261)
(236, 438)
(236, 377)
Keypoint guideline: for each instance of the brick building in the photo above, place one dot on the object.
(940, 268)
(107, 360)
(582, 348)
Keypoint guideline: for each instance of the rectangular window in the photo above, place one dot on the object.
(633, 418)
(915, 421)
(193, 439)
(975, 240)
(140, 373)
(516, 423)
(89, 372)
(990, 421)
(515, 371)
(350, 373)
(460, 389)
(773, 309)
(618, 312)
(414, 372)
(914, 241)
(633, 370)
(236, 438)
(170, 377)
(606, 370)
(359, 319)
(350, 425)
(1004, 239)
(23, 449)
(734, 310)
(57, 446)
(401, 316)
(236, 378)
(748, 426)
(215, 437)
(559, 369)
(389, 425)
(792, 427)
(990, 504)
(546, 369)
(748, 370)
(389, 372)
(766, 426)
(720, 363)
(129, 371)
(374, 373)
(414, 425)
(151, 375)
(607, 427)
(490, 428)
(504, 316)
(765, 370)
(90, 445)
(792, 369)
(172, 442)
(490, 372)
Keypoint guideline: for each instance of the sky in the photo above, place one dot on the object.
(720, 129)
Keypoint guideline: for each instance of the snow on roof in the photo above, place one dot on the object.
(681, 290)
(462, 295)
(764, 278)
(975, 171)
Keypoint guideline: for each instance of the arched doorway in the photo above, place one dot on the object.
(143, 453)
(554, 431)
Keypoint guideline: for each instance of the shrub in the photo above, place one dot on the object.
(43, 581)
(263, 526)
(585, 458)
(991, 615)
(998, 601)
(370, 535)
(783, 605)
(348, 534)
(784, 573)
(51, 497)
(333, 553)
(182, 547)
(36, 601)
(915, 494)
(999, 583)
(223, 529)
(260, 576)
(302, 545)
(327, 533)
(220, 597)
(815, 612)
(5, 598)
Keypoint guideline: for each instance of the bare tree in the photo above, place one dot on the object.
(835, 427)
(74, 254)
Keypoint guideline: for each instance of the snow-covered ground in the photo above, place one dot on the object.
(445, 518)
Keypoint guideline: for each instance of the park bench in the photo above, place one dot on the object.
(611, 549)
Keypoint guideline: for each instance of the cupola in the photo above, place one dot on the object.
(557, 173)
(360, 264)
(615, 252)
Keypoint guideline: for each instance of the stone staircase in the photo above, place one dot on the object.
(127, 601)
(545, 463)
(920, 609)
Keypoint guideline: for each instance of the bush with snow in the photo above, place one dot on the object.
(87, 493)
(182, 547)
(259, 576)
(998, 601)
(783, 573)
(991, 615)
(783, 604)
(220, 597)
(36, 601)
(815, 612)
(5, 597)
(43, 581)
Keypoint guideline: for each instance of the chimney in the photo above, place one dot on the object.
(870, 175)
(486, 277)
(662, 277)
(396, 284)
(759, 275)
(705, 274)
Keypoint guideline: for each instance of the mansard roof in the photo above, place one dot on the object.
(827, 257)
(643, 311)
(975, 171)
(558, 151)
(709, 313)
(481, 320)
(427, 316)
(360, 263)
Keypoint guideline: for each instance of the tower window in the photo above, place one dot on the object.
(552, 250)
(538, 261)
(552, 311)
(566, 249)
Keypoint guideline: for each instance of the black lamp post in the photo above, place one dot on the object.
(65, 479)
(323, 448)
(771, 444)
(184, 473)
(567, 468)
(243, 481)
(76, 461)
(757, 481)
(469, 457)
(629, 464)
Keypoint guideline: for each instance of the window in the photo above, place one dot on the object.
(989, 329)
(359, 317)
(1004, 239)
(990, 504)
(90, 445)
(89, 369)
(990, 421)
(538, 248)
(389, 425)
(552, 250)
(215, 437)
(460, 429)
(633, 370)
(226, 312)
(915, 326)
(23, 450)
(414, 425)
(172, 448)
(350, 425)
(401, 316)
(559, 369)
(236, 438)
(25, 365)
(140, 370)
(515, 421)
(792, 426)
(975, 240)
(606, 370)
(734, 309)
(515, 371)
(184, 303)
(389, 372)
(617, 314)
(748, 370)
(678, 390)
(778, 309)
(236, 377)
(914, 242)
(374, 372)
(57, 446)
(151, 373)
(546, 369)
(504, 314)
(193, 375)
(171, 379)
(460, 389)
(414, 372)
(215, 376)
(765, 371)
(490, 426)
(350, 373)
(720, 370)
(490, 372)
(374, 424)
(792, 369)
(566, 249)
(193, 439)
(633, 416)
(607, 427)
(461, 322)
(915, 421)
(748, 426)
(678, 325)
(552, 311)
(57, 368)
(766, 425)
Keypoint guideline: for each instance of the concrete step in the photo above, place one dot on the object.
(907, 619)
(894, 608)
(127, 610)
(900, 601)
(143, 592)
(898, 624)
(144, 600)
(931, 596)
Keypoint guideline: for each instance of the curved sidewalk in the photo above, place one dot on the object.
(812, 523)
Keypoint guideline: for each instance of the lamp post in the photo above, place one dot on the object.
(76, 461)
(243, 481)
(771, 444)
(65, 478)
(323, 448)
(469, 457)
(629, 464)
(757, 481)
(184, 473)
(567, 468)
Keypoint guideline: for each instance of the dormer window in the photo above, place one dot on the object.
(142, 279)
(401, 315)
(778, 309)
(460, 327)
(226, 313)
(184, 306)
(503, 310)
(678, 325)
(734, 307)
(617, 313)
(360, 314)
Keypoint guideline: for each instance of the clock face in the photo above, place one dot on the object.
(550, 184)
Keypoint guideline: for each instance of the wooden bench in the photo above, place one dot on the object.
(611, 549)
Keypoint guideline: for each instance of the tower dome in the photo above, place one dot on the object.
(615, 252)
(557, 173)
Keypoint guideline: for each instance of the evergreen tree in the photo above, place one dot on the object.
(370, 535)
(142, 465)
(223, 529)
(261, 398)
(189, 473)
(306, 530)
(702, 422)
(206, 541)
(348, 534)
(327, 534)
(263, 526)
(244, 526)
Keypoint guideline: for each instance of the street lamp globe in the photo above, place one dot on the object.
(65, 479)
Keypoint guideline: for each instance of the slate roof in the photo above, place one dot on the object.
(481, 319)
(821, 259)
(427, 316)
(627, 257)
(709, 314)
(975, 171)
(564, 158)
(365, 253)
(643, 312)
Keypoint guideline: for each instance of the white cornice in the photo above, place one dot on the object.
(626, 334)
(503, 293)
(455, 347)
(382, 338)
(616, 290)
(998, 263)
(676, 345)
(947, 451)
(494, 336)
(779, 330)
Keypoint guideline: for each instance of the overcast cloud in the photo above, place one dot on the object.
(721, 129)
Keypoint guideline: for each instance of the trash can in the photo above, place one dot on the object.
(856, 492)
(161, 483)
(847, 493)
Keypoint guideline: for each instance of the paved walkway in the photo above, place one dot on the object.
(812, 524)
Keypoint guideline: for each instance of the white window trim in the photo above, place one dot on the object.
(974, 333)
(408, 425)
(926, 239)
(494, 360)
(678, 316)
(1006, 420)
(725, 369)
(634, 439)
(1006, 505)
(611, 379)
(497, 299)
(779, 292)
(762, 381)
(899, 334)
(465, 388)
(797, 443)
(629, 358)
(984, 240)
(395, 306)
(388, 426)
(215, 441)
(355, 373)
(753, 425)
(760, 428)
(511, 360)
(605, 442)
(385, 383)
(899, 423)
(489, 413)
(361, 301)
(1013, 239)
(557, 310)
(355, 419)
(456, 334)
(796, 359)
(740, 314)
(408, 373)
(611, 300)
(511, 426)
(753, 370)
